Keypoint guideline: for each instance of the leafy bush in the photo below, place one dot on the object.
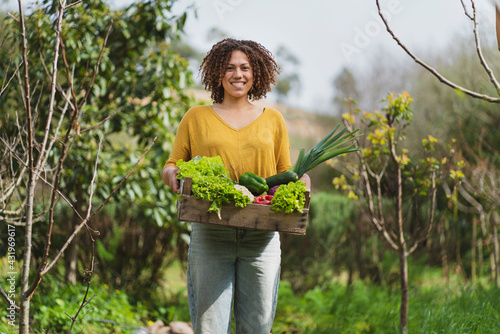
(108, 311)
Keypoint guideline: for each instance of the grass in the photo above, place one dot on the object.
(437, 306)
(441, 307)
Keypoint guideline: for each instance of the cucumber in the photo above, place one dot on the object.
(282, 178)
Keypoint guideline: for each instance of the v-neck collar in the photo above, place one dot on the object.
(232, 127)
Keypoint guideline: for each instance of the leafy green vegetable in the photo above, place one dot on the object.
(211, 182)
(201, 166)
(289, 197)
(218, 190)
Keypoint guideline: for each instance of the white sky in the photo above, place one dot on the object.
(326, 35)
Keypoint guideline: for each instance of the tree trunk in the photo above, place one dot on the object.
(473, 251)
(498, 25)
(25, 274)
(71, 254)
(403, 311)
(480, 257)
(495, 247)
(71, 262)
(24, 313)
(444, 251)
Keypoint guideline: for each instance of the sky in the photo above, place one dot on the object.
(327, 35)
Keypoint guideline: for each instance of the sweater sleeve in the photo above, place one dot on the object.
(181, 148)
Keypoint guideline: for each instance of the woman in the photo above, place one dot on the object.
(228, 266)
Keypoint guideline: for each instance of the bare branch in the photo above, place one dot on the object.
(74, 4)
(94, 176)
(38, 175)
(53, 86)
(8, 300)
(465, 11)
(90, 272)
(17, 221)
(432, 70)
(13, 17)
(97, 124)
(6, 84)
(86, 301)
(430, 219)
(479, 50)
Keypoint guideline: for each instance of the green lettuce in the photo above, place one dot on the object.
(201, 166)
(218, 190)
(211, 182)
(290, 197)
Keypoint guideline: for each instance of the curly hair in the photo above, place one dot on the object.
(264, 67)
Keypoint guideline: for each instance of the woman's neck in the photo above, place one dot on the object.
(236, 104)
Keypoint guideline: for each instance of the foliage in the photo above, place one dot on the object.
(329, 307)
(366, 308)
(108, 311)
(338, 240)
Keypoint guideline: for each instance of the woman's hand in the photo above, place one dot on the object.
(307, 180)
(169, 177)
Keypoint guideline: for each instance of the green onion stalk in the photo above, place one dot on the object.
(327, 148)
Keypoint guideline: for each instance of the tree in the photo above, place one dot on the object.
(344, 85)
(289, 79)
(75, 76)
(400, 194)
(475, 189)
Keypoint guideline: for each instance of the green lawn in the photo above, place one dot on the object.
(436, 306)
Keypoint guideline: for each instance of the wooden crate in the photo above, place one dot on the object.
(253, 216)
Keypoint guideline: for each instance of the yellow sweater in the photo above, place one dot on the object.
(262, 147)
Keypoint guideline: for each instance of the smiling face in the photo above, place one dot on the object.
(238, 78)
